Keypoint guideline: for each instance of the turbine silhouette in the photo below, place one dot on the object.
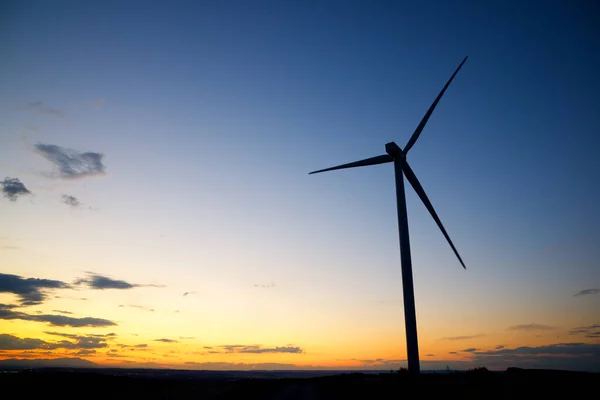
(401, 168)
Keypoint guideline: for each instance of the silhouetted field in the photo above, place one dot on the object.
(123, 384)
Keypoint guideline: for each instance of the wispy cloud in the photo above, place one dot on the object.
(133, 347)
(257, 349)
(83, 341)
(469, 350)
(10, 342)
(588, 291)
(166, 340)
(265, 285)
(464, 337)
(31, 291)
(62, 312)
(138, 307)
(7, 313)
(531, 327)
(40, 108)
(12, 188)
(71, 298)
(564, 349)
(499, 347)
(85, 352)
(100, 282)
(70, 200)
(577, 356)
(188, 294)
(72, 163)
(592, 331)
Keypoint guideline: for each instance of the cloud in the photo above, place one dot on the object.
(430, 355)
(104, 335)
(265, 286)
(464, 337)
(71, 298)
(272, 350)
(469, 350)
(452, 352)
(570, 356)
(188, 294)
(499, 347)
(99, 282)
(40, 108)
(72, 163)
(256, 349)
(70, 200)
(85, 352)
(7, 313)
(562, 349)
(592, 331)
(31, 291)
(530, 327)
(166, 340)
(10, 342)
(12, 188)
(83, 341)
(138, 307)
(62, 312)
(588, 291)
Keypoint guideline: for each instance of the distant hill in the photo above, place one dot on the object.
(17, 363)
(102, 384)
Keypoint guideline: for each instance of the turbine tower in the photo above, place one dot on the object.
(401, 168)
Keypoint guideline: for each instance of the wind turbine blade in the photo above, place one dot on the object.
(419, 129)
(385, 158)
(412, 178)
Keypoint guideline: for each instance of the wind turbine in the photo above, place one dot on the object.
(401, 168)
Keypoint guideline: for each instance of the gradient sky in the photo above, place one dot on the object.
(201, 121)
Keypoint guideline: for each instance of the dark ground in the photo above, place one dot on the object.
(122, 384)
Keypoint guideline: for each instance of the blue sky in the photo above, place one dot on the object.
(209, 116)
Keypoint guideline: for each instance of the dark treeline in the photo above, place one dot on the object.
(475, 384)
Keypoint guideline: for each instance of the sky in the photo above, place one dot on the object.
(156, 208)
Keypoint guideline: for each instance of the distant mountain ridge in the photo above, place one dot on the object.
(23, 363)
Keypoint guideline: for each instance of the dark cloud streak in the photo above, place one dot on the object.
(31, 291)
(592, 331)
(71, 163)
(10, 342)
(530, 327)
(7, 313)
(464, 337)
(100, 282)
(587, 292)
